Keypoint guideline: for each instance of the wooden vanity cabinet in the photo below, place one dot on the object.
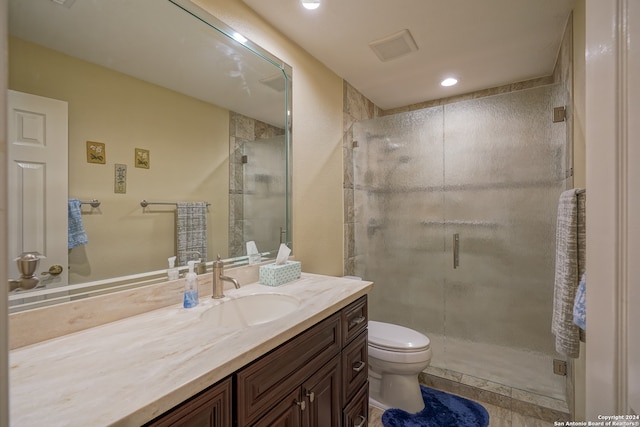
(317, 379)
(210, 408)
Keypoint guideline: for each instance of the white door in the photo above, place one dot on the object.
(37, 168)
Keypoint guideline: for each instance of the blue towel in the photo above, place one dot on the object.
(77, 236)
(580, 305)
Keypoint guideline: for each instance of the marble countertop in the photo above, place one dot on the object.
(129, 371)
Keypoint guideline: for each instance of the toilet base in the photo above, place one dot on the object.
(397, 391)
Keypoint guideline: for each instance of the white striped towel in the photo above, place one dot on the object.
(570, 265)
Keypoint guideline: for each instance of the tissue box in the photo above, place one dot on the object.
(276, 275)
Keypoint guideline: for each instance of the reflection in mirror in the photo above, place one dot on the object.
(146, 100)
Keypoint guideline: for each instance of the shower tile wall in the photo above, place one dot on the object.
(243, 131)
(355, 108)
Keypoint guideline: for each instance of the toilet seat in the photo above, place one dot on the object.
(395, 338)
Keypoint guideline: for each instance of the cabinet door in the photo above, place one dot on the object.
(211, 408)
(356, 412)
(287, 413)
(322, 393)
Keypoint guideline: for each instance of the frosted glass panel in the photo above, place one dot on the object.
(264, 192)
(398, 196)
(490, 170)
(504, 171)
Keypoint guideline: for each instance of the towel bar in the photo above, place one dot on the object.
(94, 203)
(144, 203)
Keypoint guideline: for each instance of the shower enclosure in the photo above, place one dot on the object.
(455, 214)
(258, 195)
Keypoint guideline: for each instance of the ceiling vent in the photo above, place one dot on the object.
(394, 46)
(275, 82)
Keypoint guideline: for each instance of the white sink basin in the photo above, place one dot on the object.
(250, 310)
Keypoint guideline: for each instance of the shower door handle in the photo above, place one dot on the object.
(456, 250)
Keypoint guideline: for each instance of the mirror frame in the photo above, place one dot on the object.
(46, 297)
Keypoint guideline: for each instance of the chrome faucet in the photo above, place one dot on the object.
(219, 278)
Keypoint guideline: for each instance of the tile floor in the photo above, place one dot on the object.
(507, 407)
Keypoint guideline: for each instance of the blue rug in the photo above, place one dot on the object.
(441, 410)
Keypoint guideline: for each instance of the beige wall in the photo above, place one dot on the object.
(317, 141)
(189, 148)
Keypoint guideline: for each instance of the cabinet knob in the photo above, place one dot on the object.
(359, 366)
(302, 405)
(362, 423)
(311, 395)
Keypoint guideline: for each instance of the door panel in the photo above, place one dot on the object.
(38, 194)
(322, 392)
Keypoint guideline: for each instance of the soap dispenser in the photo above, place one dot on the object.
(190, 287)
(172, 272)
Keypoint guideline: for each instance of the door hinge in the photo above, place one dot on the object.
(559, 114)
(560, 367)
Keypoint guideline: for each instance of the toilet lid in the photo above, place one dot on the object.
(396, 338)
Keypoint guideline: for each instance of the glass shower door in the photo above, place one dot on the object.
(504, 169)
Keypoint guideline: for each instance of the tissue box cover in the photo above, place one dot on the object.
(276, 275)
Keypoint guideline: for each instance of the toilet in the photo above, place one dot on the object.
(397, 355)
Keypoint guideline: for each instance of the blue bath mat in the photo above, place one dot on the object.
(441, 410)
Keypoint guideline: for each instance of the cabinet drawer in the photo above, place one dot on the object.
(355, 369)
(262, 384)
(355, 414)
(354, 319)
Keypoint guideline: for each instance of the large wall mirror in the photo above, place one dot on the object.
(146, 100)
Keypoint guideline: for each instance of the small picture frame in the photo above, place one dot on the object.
(142, 158)
(120, 179)
(96, 152)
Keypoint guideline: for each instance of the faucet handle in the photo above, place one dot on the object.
(218, 262)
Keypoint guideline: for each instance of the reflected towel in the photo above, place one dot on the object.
(77, 235)
(570, 265)
(580, 304)
(191, 231)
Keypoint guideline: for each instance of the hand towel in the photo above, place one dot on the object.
(570, 265)
(580, 304)
(77, 235)
(191, 230)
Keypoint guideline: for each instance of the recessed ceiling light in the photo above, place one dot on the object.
(449, 81)
(311, 4)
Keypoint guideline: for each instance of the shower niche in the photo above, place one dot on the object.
(455, 215)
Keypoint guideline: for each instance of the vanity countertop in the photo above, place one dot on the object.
(127, 372)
